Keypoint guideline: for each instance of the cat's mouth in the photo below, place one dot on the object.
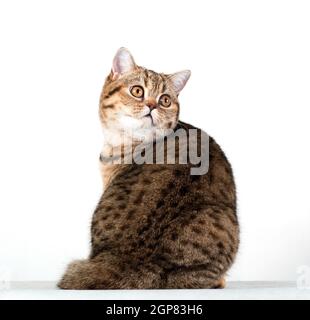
(149, 116)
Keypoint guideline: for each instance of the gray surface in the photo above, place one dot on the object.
(234, 290)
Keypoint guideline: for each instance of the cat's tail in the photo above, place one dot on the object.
(105, 274)
(83, 274)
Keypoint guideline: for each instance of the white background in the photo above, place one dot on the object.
(250, 63)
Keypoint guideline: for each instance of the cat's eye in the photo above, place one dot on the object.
(165, 100)
(137, 91)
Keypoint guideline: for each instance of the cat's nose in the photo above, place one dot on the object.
(151, 103)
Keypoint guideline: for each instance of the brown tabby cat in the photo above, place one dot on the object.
(156, 225)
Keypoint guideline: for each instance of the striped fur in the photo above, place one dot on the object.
(156, 225)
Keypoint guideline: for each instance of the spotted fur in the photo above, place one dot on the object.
(156, 225)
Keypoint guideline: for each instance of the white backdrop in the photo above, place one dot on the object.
(249, 89)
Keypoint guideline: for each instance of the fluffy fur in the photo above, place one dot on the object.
(156, 225)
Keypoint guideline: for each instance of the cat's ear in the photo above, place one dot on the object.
(179, 79)
(123, 62)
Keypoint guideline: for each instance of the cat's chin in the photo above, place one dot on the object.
(127, 122)
(142, 129)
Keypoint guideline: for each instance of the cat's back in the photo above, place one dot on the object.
(143, 202)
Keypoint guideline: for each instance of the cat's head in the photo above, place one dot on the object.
(140, 100)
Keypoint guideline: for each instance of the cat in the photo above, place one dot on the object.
(156, 225)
